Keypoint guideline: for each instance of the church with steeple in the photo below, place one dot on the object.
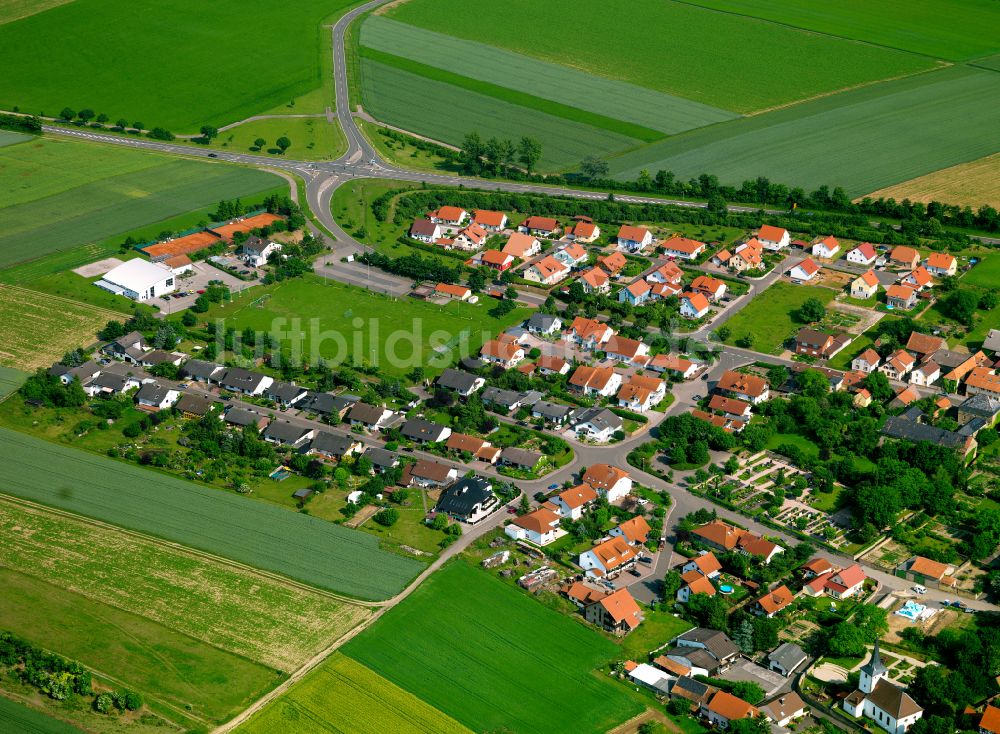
(881, 700)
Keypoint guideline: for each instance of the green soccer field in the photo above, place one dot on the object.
(56, 195)
(447, 645)
(212, 520)
(333, 320)
(892, 132)
(167, 63)
(723, 60)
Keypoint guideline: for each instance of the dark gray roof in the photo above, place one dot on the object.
(200, 369)
(542, 321)
(195, 404)
(86, 369)
(365, 413)
(283, 392)
(457, 380)
(973, 427)
(422, 429)
(254, 245)
(334, 444)
(462, 497)
(240, 378)
(152, 392)
(551, 411)
(788, 655)
(718, 643)
(520, 457)
(110, 381)
(126, 341)
(947, 358)
(600, 418)
(381, 457)
(691, 689)
(901, 427)
(982, 405)
(285, 432)
(242, 417)
(697, 656)
(158, 356)
(505, 398)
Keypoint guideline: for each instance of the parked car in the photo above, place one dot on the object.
(920, 589)
(553, 486)
(635, 572)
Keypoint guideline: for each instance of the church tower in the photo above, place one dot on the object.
(872, 672)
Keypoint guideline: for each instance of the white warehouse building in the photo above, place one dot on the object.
(139, 280)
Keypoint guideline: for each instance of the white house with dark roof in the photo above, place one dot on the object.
(880, 700)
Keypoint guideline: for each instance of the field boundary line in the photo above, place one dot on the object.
(63, 299)
(14, 500)
(843, 90)
(827, 34)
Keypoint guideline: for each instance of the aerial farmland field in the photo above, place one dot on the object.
(344, 695)
(399, 98)
(36, 331)
(185, 68)
(212, 520)
(568, 86)
(256, 616)
(671, 47)
(16, 717)
(200, 683)
(891, 130)
(58, 194)
(447, 645)
(968, 184)
(911, 25)
(10, 380)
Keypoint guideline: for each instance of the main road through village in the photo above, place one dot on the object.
(361, 160)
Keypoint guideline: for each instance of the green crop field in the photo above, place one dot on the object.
(892, 131)
(334, 320)
(223, 63)
(59, 194)
(952, 30)
(769, 317)
(344, 696)
(162, 664)
(35, 331)
(723, 60)
(10, 380)
(11, 138)
(428, 107)
(244, 612)
(544, 80)
(298, 546)
(16, 717)
(447, 645)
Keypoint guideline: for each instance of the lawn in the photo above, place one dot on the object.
(809, 448)
(224, 63)
(36, 331)
(205, 683)
(967, 184)
(60, 194)
(400, 98)
(657, 628)
(671, 47)
(911, 25)
(492, 657)
(313, 138)
(889, 128)
(769, 317)
(985, 274)
(16, 717)
(318, 318)
(343, 695)
(250, 614)
(403, 153)
(304, 548)
(579, 91)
